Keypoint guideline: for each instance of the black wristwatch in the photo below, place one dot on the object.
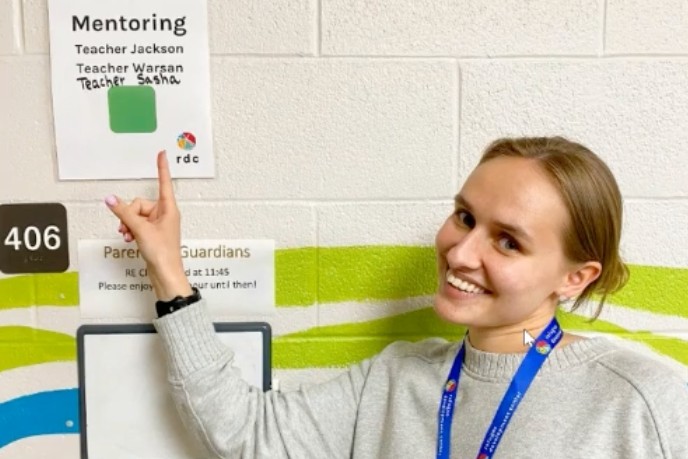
(178, 302)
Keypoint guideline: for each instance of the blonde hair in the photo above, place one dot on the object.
(593, 201)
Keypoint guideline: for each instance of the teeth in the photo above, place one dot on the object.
(463, 285)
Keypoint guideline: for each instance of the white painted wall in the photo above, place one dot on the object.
(353, 122)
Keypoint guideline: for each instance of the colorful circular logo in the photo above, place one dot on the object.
(450, 386)
(542, 347)
(186, 141)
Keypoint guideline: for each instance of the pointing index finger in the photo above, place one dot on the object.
(166, 190)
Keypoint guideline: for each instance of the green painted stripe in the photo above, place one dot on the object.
(375, 272)
(671, 347)
(310, 275)
(314, 352)
(346, 344)
(656, 289)
(322, 347)
(296, 276)
(295, 284)
(61, 289)
(573, 322)
(24, 346)
(301, 276)
(422, 322)
(674, 348)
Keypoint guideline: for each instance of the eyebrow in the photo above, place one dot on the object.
(513, 229)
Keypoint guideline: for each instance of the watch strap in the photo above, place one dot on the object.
(178, 302)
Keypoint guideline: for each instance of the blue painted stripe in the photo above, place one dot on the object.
(42, 413)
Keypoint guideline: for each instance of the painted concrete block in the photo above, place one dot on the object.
(461, 28)
(332, 129)
(36, 31)
(396, 223)
(289, 225)
(641, 27)
(632, 113)
(10, 27)
(42, 446)
(262, 27)
(655, 233)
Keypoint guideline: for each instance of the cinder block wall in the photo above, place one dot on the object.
(342, 130)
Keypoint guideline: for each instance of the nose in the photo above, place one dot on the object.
(466, 252)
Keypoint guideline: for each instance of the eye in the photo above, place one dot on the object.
(465, 218)
(508, 243)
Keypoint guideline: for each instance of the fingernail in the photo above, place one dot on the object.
(111, 201)
(128, 237)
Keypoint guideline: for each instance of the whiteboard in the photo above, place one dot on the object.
(125, 407)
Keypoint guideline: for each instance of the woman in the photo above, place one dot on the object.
(538, 221)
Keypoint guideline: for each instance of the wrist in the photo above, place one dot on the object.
(171, 290)
(170, 284)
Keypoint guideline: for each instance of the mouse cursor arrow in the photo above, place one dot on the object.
(528, 339)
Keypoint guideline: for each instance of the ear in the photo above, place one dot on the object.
(579, 277)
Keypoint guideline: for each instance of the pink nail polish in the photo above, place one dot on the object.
(111, 200)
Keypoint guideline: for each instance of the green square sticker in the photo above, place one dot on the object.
(132, 109)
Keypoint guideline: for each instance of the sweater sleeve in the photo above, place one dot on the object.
(236, 420)
(664, 394)
(667, 399)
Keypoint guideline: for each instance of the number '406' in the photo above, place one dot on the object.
(32, 238)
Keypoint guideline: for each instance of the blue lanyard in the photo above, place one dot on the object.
(524, 376)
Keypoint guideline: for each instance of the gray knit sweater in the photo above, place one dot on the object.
(591, 399)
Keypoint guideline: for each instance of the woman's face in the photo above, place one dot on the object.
(500, 255)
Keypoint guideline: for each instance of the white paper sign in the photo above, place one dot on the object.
(130, 78)
(237, 277)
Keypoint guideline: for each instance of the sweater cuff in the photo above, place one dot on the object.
(190, 341)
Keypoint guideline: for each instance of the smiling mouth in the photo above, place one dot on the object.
(463, 285)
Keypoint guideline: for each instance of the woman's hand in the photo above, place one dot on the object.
(155, 226)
